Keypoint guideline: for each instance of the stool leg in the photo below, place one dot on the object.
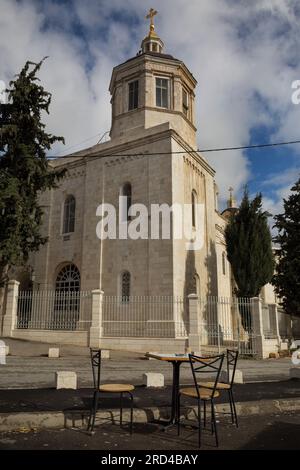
(121, 408)
(199, 423)
(234, 409)
(214, 422)
(95, 407)
(231, 407)
(178, 414)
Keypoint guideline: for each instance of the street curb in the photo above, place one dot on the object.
(78, 418)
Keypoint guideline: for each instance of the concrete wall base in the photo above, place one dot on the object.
(79, 338)
(160, 345)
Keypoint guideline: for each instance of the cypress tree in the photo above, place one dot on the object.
(24, 170)
(249, 249)
(287, 272)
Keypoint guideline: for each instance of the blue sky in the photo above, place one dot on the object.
(245, 56)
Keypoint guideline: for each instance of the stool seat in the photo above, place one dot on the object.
(220, 385)
(205, 393)
(116, 388)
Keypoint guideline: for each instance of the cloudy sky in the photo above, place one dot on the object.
(244, 54)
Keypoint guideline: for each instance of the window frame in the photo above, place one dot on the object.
(64, 282)
(194, 212)
(185, 107)
(168, 80)
(224, 263)
(69, 215)
(131, 95)
(125, 297)
(128, 195)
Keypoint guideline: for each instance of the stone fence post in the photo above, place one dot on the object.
(9, 320)
(257, 326)
(275, 323)
(96, 328)
(194, 331)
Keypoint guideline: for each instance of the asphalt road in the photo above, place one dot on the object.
(276, 432)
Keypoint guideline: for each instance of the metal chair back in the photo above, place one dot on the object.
(96, 366)
(232, 357)
(211, 365)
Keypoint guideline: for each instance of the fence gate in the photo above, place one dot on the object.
(226, 323)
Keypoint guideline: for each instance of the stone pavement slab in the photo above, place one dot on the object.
(29, 367)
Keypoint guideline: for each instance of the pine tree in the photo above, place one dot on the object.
(24, 170)
(249, 249)
(287, 273)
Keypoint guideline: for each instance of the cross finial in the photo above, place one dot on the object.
(231, 201)
(150, 16)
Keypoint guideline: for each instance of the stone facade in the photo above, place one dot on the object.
(153, 148)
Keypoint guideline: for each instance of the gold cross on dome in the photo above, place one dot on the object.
(150, 16)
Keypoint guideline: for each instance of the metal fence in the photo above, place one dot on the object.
(144, 316)
(269, 321)
(53, 310)
(223, 322)
(226, 323)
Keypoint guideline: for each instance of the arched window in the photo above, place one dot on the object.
(194, 203)
(125, 286)
(69, 214)
(224, 262)
(126, 196)
(195, 284)
(68, 279)
(67, 299)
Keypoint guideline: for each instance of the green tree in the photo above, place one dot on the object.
(287, 272)
(249, 250)
(24, 170)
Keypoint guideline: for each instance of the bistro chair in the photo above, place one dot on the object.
(231, 357)
(209, 365)
(115, 388)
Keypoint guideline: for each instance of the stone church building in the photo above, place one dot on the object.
(151, 158)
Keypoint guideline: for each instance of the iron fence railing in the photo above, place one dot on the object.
(223, 322)
(54, 310)
(144, 316)
(269, 321)
(227, 323)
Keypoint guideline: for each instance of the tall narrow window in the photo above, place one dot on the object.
(67, 299)
(133, 101)
(224, 263)
(125, 286)
(162, 92)
(194, 203)
(185, 102)
(125, 205)
(69, 215)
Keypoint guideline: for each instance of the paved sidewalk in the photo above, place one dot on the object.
(274, 432)
(29, 367)
(38, 400)
(50, 408)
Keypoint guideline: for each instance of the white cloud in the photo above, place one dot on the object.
(237, 51)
